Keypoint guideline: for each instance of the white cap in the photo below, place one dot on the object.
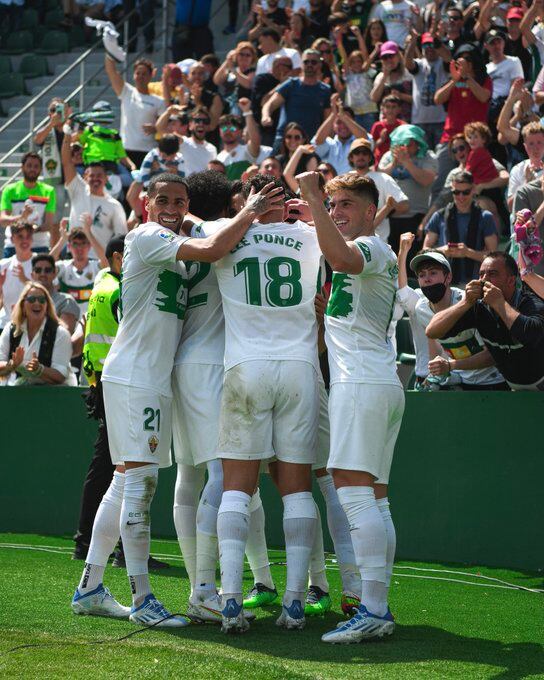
(430, 255)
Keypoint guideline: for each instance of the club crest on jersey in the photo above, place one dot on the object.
(167, 235)
(153, 442)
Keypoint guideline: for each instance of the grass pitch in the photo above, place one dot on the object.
(469, 627)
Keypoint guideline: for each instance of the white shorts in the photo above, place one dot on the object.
(323, 430)
(139, 424)
(269, 410)
(365, 422)
(196, 405)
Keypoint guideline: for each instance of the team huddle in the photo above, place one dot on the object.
(218, 350)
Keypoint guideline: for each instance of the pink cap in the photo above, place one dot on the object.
(427, 38)
(389, 47)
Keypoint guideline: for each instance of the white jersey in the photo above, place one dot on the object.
(203, 335)
(77, 282)
(152, 307)
(268, 285)
(358, 315)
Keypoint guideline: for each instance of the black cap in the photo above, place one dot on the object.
(466, 47)
(115, 245)
(492, 35)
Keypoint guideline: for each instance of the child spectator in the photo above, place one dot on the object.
(165, 158)
(479, 161)
(380, 131)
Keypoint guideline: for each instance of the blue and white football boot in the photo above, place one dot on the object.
(99, 602)
(292, 617)
(233, 618)
(363, 626)
(153, 613)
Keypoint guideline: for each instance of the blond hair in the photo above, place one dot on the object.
(362, 186)
(18, 315)
(246, 45)
(533, 128)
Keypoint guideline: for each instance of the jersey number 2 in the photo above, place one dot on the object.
(152, 419)
(282, 288)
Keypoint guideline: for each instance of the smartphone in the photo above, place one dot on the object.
(59, 109)
(453, 245)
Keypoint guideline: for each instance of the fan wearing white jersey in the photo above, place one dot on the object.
(366, 399)
(137, 392)
(269, 408)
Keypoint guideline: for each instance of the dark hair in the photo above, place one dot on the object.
(165, 178)
(96, 164)
(231, 119)
(169, 144)
(271, 33)
(478, 66)
(237, 186)
(210, 193)
(391, 99)
(150, 66)
(258, 182)
(77, 234)
(366, 34)
(292, 126)
(31, 154)
(199, 111)
(508, 260)
(116, 244)
(210, 59)
(43, 256)
(463, 176)
(18, 228)
(337, 19)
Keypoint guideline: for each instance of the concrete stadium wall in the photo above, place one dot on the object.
(466, 484)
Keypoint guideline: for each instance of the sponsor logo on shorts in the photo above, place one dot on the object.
(153, 442)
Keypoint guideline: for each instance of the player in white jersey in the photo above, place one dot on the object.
(366, 400)
(137, 392)
(270, 397)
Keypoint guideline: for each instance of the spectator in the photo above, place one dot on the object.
(455, 32)
(165, 158)
(341, 122)
(382, 129)
(88, 195)
(502, 70)
(330, 74)
(399, 16)
(297, 35)
(168, 86)
(263, 88)
(531, 196)
(139, 109)
(271, 166)
(192, 37)
(41, 197)
(294, 137)
(327, 171)
(509, 319)
(374, 36)
(391, 197)
(518, 40)
(196, 151)
(236, 74)
(479, 161)
(269, 44)
(35, 349)
(531, 168)
(273, 18)
(428, 74)
(318, 15)
(236, 156)
(462, 231)
(304, 100)
(44, 272)
(358, 78)
(202, 95)
(175, 121)
(517, 111)
(394, 79)
(217, 166)
(413, 167)
(16, 270)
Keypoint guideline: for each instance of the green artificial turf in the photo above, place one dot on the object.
(445, 629)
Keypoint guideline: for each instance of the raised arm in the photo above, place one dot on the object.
(66, 156)
(252, 129)
(443, 321)
(116, 79)
(275, 101)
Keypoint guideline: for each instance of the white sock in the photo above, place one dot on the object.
(341, 537)
(318, 576)
(140, 486)
(105, 534)
(256, 548)
(369, 542)
(232, 531)
(206, 532)
(299, 523)
(189, 482)
(383, 506)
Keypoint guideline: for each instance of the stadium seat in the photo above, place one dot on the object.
(53, 18)
(32, 66)
(54, 42)
(405, 344)
(12, 85)
(51, 5)
(18, 42)
(5, 65)
(30, 19)
(76, 37)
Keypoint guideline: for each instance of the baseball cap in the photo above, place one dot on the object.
(462, 49)
(115, 245)
(175, 74)
(431, 255)
(515, 13)
(493, 34)
(389, 47)
(186, 64)
(427, 38)
(360, 143)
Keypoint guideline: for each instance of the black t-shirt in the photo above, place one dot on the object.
(319, 25)
(514, 48)
(518, 352)
(278, 16)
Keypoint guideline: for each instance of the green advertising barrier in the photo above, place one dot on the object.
(466, 484)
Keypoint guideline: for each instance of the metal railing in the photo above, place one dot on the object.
(79, 91)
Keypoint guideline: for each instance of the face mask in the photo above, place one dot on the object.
(435, 292)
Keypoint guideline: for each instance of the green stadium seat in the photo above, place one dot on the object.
(18, 42)
(53, 18)
(30, 19)
(405, 344)
(51, 5)
(54, 42)
(12, 85)
(5, 65)
(76, 36)
(33, 66)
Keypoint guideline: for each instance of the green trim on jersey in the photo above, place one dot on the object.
(341, 301)
(173, 287)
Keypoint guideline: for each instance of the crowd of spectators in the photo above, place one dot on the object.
(438, 102)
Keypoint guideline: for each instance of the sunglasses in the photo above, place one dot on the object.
(324, 170)
(43, 270)
(36, 298)
(463, 192)
(310, 61)
(201, 121)
(228, 128)
(456, 149)
(245, 54)
(295, 137)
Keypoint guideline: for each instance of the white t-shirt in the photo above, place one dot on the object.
(77, 283)
(387, 186)
(136, 110)
(239, 158)
(358, 316)
(408, 298)
(196, 155)
(398, 18)
(203, 335)
(60, 358)
(517, 176)
(268, 285)
(264, 63)
(13, 287)
(503, 73)
(107, 213)
(152, 307)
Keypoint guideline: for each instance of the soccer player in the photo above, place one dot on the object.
(137, 392)
(366, 399)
